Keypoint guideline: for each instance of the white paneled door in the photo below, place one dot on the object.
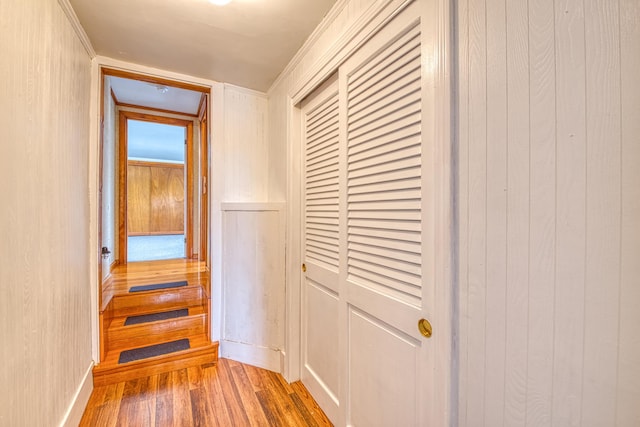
(320, 294)
(366, 239)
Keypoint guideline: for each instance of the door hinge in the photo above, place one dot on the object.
(204, 185)
(304, 268)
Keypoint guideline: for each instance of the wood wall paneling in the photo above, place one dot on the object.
(155, 199)
(571, 214)
(628, 376)
(548, 212)
(542, 221)
(518, 203)
(45, 307)
(603, 212)
(138, 199)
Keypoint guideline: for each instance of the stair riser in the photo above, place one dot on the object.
(155, 332)
(157, 301)
(154, 366)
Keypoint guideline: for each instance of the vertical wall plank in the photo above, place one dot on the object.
(517, 269)
(463, 207)
(602, 63)
(542, 215)
(477, 208)
(496, 285)
(570, 211)
(628, 393)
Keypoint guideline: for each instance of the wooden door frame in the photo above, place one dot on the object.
(204, 177)
(124, 116)
(109, 67)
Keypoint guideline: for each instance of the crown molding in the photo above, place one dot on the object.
(253, 92)
(329, 18)
(77, 27)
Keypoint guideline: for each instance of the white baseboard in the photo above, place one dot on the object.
(261, 357)
(74, 414)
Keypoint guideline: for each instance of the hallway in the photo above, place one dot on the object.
(226, 394)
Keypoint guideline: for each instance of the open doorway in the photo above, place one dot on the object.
(137, 110)
(157, 187)
(153, 219)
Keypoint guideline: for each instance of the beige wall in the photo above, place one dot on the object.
(45, 318)
(549, 213)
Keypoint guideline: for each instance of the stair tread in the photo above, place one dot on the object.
(197, 343)
(118, 322)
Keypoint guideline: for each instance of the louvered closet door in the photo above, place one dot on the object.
(321, 247)
(387, 360)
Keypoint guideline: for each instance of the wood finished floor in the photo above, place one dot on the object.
(124, 276)
(225, 394)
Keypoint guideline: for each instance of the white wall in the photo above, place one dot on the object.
(549, 196)
(45, 302)
(109, 176)
(248, 288)
(252, 321)
(245, 148)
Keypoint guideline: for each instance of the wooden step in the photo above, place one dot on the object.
(202, 351)
(147, 302)
(122, 337)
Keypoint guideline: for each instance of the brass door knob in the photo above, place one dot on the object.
(425, 328)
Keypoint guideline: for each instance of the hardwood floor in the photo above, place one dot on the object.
(124, 276)
(117, 337)
(228, 393)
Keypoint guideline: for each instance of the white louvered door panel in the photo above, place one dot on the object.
(386, 357)
(320, 370)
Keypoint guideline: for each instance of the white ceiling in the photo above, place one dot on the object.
(247, 43)
(145, 94)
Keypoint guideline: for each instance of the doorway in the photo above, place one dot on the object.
(156, 187)
(156, 201)
(131, 98)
